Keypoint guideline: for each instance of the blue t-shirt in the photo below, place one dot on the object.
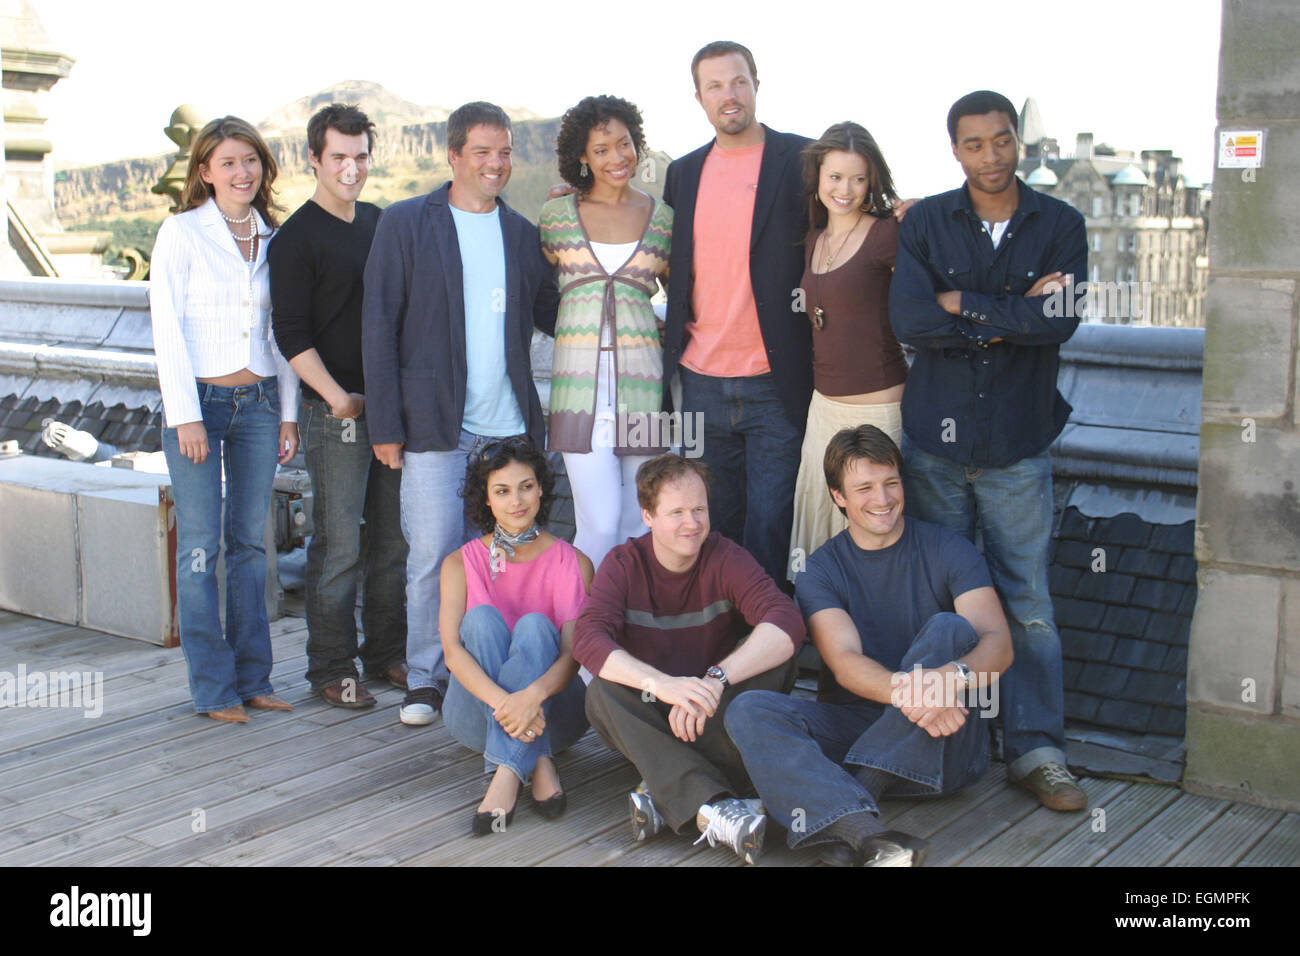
(490, 404)
(889, 593)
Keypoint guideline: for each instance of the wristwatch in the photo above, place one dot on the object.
(718, 674)
(965, 676)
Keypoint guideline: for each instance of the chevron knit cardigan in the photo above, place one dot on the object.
(589, 299)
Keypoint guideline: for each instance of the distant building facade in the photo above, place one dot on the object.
(1147, 225)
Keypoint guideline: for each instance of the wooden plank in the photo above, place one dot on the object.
(977, 826)
(1166, 833)
(1228, 838)
(1124, 814)
(123, 811)
(1036, 833)
(924, 817)
(1280, 846)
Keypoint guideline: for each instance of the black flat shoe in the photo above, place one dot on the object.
(553, 807)
(483, 822)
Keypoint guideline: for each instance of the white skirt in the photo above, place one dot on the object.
(816, 518)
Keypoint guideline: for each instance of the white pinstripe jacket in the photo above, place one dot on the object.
(211, 315)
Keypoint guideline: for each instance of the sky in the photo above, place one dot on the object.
(1138, 74)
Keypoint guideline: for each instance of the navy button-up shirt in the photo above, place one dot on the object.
(974, 401)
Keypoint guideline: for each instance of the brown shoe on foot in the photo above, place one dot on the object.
(1055, 787)
(268, 702)
(347, 693)
(234, 715)
(395, 675)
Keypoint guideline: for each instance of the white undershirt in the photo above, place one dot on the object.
(612, 256)
(995, 230)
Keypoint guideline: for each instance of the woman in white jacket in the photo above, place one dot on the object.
(229, 398)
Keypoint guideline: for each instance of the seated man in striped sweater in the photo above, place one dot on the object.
(662, 631)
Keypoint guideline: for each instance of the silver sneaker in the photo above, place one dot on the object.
(739, 824)
(646, 821)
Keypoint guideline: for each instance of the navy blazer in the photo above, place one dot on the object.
(775, 264)
(413, 323)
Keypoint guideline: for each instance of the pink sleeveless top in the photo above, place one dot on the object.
(550, 584)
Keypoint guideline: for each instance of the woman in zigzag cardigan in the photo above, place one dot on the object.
(609, 243)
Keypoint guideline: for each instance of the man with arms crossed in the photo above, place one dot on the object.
(661, 631)
(737, 260)
(974, 281)
(455, 284)
(317, 261)
(907, 621)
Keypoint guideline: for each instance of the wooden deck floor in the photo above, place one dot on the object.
(327, 786)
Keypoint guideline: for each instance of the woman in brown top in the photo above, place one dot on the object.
(858, 365)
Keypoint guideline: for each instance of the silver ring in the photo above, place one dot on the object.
(531, 734)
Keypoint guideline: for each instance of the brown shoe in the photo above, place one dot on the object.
(268, 702)
(396, 675)
(234, 715)
(347, 693)
(1055, 787)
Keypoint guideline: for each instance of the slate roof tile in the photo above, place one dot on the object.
(1134, 652)
(1168, 628)
(1080, 706)
(1062, 580)
(1102, 679)
(1109, 587)
(1129, 621)
(1075, 525)
(1175, 539)
(1159, 595)
(1182, 567)
(1125, 529)
(1169, 690)
(1175, 661)
(1143, 561)
(1188, 603)
(1074, 554)
(1168, 720)
(1126, 714)
(1086, 645)
(1079, 614)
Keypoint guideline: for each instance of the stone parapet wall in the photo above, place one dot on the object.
(1243, 689)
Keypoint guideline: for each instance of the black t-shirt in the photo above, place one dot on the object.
(317, 263)
(889, 593)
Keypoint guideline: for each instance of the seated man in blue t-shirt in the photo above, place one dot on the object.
(908, 623)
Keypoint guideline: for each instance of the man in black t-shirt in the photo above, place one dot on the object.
(317, 259)
(910, 629)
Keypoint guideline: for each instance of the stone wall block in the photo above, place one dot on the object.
(1248, 347)
(1234, 638)
(1248, 501)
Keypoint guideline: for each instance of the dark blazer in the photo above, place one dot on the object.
(775, 264)
(413, 323)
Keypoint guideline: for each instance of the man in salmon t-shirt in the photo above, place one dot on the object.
(744, 353)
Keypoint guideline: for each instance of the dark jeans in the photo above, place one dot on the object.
(348, 485)
(800, 753)
(1014, 508)
(752, 449)
(680, 775)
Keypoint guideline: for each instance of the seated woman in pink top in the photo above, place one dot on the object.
(510, 601)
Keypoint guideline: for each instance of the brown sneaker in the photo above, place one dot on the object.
(1055, 787)
(347, 693)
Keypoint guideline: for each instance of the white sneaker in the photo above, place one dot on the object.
(740, 824)
(420, 706)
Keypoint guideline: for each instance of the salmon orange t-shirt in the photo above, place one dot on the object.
(724, 338)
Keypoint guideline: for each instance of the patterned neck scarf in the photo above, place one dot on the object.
(504, 544)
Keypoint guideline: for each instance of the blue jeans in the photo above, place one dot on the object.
(513, 660)
(243, 425)
(1013, 506)
(752, 449)
(434, 525)
(795, 750)
(350, 485)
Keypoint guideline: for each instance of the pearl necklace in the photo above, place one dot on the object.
(252, 230)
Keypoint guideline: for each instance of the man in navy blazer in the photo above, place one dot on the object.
(744, 353)
(454, 286)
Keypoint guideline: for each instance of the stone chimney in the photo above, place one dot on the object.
(1083, 146)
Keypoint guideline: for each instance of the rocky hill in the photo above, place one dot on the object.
(410, 159)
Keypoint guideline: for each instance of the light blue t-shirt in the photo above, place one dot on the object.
(490, 404)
